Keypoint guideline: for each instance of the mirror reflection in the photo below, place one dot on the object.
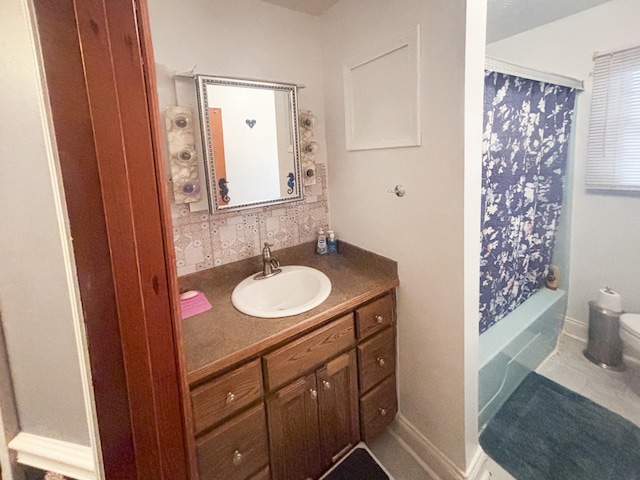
(250, 138)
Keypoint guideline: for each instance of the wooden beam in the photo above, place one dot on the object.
(96, 80)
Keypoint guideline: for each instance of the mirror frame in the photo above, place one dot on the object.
(213, 189)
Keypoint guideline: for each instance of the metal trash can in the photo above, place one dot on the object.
(604, 347)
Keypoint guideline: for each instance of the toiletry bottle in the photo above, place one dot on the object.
(332, 243)
(322, 243)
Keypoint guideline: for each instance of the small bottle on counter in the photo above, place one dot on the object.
(332, 243)
(321, 247)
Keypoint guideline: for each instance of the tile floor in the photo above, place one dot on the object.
(616, 391)
(396, 460)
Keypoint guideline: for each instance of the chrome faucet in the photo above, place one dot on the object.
(270, 265)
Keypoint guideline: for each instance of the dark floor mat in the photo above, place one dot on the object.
(358, 465)
(546, 432)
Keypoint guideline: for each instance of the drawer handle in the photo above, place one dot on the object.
(313, 393)
(381, 361)
(326, 385)
(379, 318)
(383, 412)
(230, 398)
(237, 458)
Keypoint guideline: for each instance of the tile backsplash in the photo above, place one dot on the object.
(205, 241)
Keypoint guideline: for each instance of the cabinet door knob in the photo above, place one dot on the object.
(237, 457)
(230, 398)
(326, 385)
(313, 393)
(381, 361)
(379, 318)
(383, 412)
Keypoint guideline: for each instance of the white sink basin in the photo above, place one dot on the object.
(295, 290)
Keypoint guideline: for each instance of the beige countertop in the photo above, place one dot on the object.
(223, 336)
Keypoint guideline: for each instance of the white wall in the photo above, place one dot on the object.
(38, 301)
(605, 228)
(243, 38)
(424, 230)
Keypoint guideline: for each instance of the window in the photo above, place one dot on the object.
(613, 161)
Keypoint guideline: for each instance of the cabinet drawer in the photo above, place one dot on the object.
(235, 450)
(374, 316)
(296, 358)
(220, 398)
(378, 408)
(263, 474)
(377, 359)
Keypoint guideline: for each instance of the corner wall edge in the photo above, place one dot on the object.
(437, 463)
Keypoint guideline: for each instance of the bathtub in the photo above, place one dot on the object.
(515, 346)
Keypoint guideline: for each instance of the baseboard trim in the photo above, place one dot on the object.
(68, 459)
(576, 329)
(436, 463)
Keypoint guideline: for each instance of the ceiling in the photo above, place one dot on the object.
(510, 17)
(504, 17)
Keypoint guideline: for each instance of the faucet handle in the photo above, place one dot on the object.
(266, 252)
(270, 265)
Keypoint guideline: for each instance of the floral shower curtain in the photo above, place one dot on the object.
(526, 133)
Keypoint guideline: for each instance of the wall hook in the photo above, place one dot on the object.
(399, 190)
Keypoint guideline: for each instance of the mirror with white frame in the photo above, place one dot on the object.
(250, 140)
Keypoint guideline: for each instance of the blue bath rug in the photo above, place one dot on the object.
(546, 432)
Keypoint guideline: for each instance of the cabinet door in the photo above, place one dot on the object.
(293, 431)
(338, 407)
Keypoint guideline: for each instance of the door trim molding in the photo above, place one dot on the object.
(69, 459)
(96, 61)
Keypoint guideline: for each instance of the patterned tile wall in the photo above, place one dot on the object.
(206, 241)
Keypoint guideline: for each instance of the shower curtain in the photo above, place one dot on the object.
(525, 141)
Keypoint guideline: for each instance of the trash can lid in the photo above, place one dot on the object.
(631, 321)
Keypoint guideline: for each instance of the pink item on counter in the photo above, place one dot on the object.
(192, 303)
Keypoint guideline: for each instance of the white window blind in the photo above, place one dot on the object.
(613, 161)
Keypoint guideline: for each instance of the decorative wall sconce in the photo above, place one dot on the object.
(309, 148)
(307, 119)
(182, 153)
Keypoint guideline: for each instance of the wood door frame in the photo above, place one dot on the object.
(100, 77)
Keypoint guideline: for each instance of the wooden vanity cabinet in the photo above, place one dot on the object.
(378, 408)
(238, 448)
(224, 396)
(376, 366)
(313, 421)
(296, 410)
(294, 430)
(338, 407)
